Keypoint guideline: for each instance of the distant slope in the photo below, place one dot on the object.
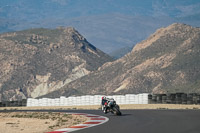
(168, 61)
(38, 61)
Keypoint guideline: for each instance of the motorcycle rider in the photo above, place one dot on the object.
(109, 105)
(104, 103)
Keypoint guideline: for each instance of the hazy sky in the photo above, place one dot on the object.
(77, 8)
(107, 24)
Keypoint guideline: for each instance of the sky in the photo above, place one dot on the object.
(78, 8)
(107, 24)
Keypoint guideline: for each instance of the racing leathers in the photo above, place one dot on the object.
(104, 104)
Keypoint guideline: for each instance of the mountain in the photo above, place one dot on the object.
(167, 61)
(38, 61)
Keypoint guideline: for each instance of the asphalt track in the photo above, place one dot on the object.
(146, 121)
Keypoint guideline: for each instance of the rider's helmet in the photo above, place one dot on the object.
(103, 98)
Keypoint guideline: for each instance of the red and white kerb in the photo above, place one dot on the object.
(94, 120)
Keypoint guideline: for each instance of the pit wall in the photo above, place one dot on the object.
(88, 100)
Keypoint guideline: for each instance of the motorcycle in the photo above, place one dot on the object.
(112, 107)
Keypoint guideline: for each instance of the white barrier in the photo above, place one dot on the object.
(88, 100)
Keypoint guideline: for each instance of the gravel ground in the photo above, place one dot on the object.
(34, 122)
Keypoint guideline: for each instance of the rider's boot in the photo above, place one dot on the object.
(105, 110)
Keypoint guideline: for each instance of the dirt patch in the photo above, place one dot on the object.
(87, 107)
(37, 122)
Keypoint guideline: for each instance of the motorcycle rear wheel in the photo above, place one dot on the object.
(116, 111)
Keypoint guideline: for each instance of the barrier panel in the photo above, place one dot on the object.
(88, 100)
(145, 98)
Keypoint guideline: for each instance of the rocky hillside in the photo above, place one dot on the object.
(38, 61)
(168, 61)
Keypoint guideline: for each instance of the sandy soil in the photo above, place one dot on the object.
(96, 107)
(36, 122)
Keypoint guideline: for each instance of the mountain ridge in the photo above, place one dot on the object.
(37, 61)
(168, 61)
